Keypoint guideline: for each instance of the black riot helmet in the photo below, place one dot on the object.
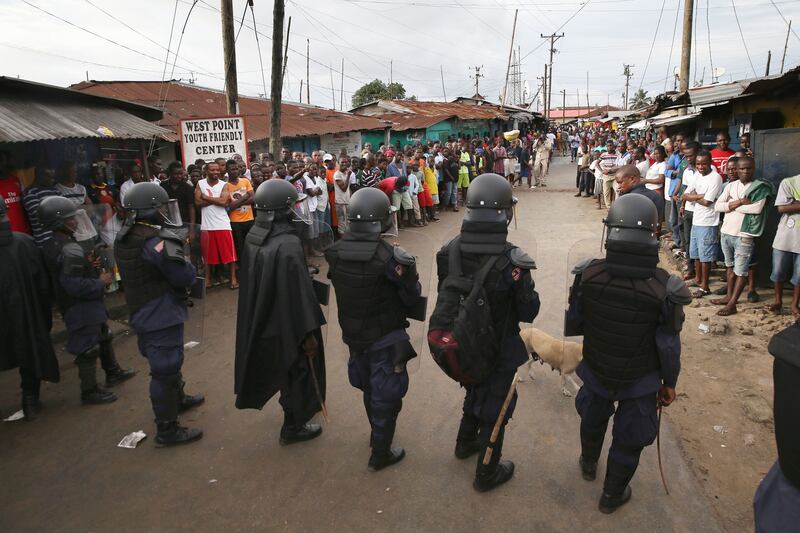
(786, 404)
(148, 202)
(490, 199)
(276, 198)
(369, 211)
(632, 222)
(632, 243)
(55, 210)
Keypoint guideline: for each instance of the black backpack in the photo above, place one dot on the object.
(461, 335)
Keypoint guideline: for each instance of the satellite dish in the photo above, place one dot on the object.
(677, 71)
(719, 72)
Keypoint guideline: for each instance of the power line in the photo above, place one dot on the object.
(672, 46)
(708, 29)
(784, 18)
(741, 34)
(653, 44)
(559, 28)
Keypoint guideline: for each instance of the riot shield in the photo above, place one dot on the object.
(316, 236)
(194, 327)
(562, 346)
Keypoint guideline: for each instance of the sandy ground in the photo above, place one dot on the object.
(64, 471)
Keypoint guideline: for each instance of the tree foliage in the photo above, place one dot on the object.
(640, 100)
(378, 90)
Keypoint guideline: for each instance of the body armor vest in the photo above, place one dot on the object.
(620, 319)
(369, 305)
(501, 302)
(53, 251)
(143, 281)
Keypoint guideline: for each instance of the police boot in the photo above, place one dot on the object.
(616, 491)
(383, 454)
(496, 472)
(188, 401)
(91, 394)
(115, 374)
(467, 443)
(31, 406)
(292, 433)
(173, 434)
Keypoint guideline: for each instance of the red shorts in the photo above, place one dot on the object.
(217, 246)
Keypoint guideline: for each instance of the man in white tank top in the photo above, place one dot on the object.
(216, 239)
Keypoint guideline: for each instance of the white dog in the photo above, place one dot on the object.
(563, 356)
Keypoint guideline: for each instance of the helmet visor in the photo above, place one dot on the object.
(171, 213)
(85, 229)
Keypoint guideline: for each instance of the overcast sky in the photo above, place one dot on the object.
(418, 37)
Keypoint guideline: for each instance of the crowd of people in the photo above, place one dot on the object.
(712, 206)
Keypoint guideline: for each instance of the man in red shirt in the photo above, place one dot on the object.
(721, 154)
(11, 194)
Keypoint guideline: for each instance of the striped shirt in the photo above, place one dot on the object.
(31, 198)
(607, 161)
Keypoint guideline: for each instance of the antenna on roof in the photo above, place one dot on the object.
(192, 79)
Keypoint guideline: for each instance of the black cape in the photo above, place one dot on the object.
(26, 314)
(277, 310)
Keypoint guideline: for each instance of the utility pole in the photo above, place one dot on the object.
(538, 92)
(229, 51)
(544, 93)
(786, 46)
(333, 93)
(477, 77)
(686, 48)
(769, 60)
(276, 81)
(308, 77)
(587, 92)
(510, 51)
(341, 89)
(553, 38)
(444, 93)
(628, 73)
(563, 106)
(301, 90)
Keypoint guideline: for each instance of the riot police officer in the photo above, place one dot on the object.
(630, 313)
(278, 338)
(157, 277)
(80, 289)
(512, 299)
(377, 289)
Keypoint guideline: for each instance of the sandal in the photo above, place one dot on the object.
(722, 291)
(700, 293)
(725, 311)
(753, 297)
(234, 287)
(719, 302)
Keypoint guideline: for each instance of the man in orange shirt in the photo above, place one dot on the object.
(239, 210)
(330, 170)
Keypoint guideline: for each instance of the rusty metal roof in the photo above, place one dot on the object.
(460, 110)
(32, 111)
(186, 101)
(404, 122)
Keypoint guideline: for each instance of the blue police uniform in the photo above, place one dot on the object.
(635, 415)
(375, 370)
(159, 327)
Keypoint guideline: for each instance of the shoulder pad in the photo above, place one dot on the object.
(403, 257)
(677, 292)
(521, 259)
(580, 267)
(72, 250)
(169, 235)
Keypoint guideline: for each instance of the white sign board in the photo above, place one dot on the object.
(334, 142)
(208, 138)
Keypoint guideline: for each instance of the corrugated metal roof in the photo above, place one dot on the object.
(461, 110)
(187, 101)
(412, 122)
(717, 93)
(25, 117)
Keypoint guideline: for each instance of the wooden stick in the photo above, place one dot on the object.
(658, 450)
(487, 457)
(317, 389)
